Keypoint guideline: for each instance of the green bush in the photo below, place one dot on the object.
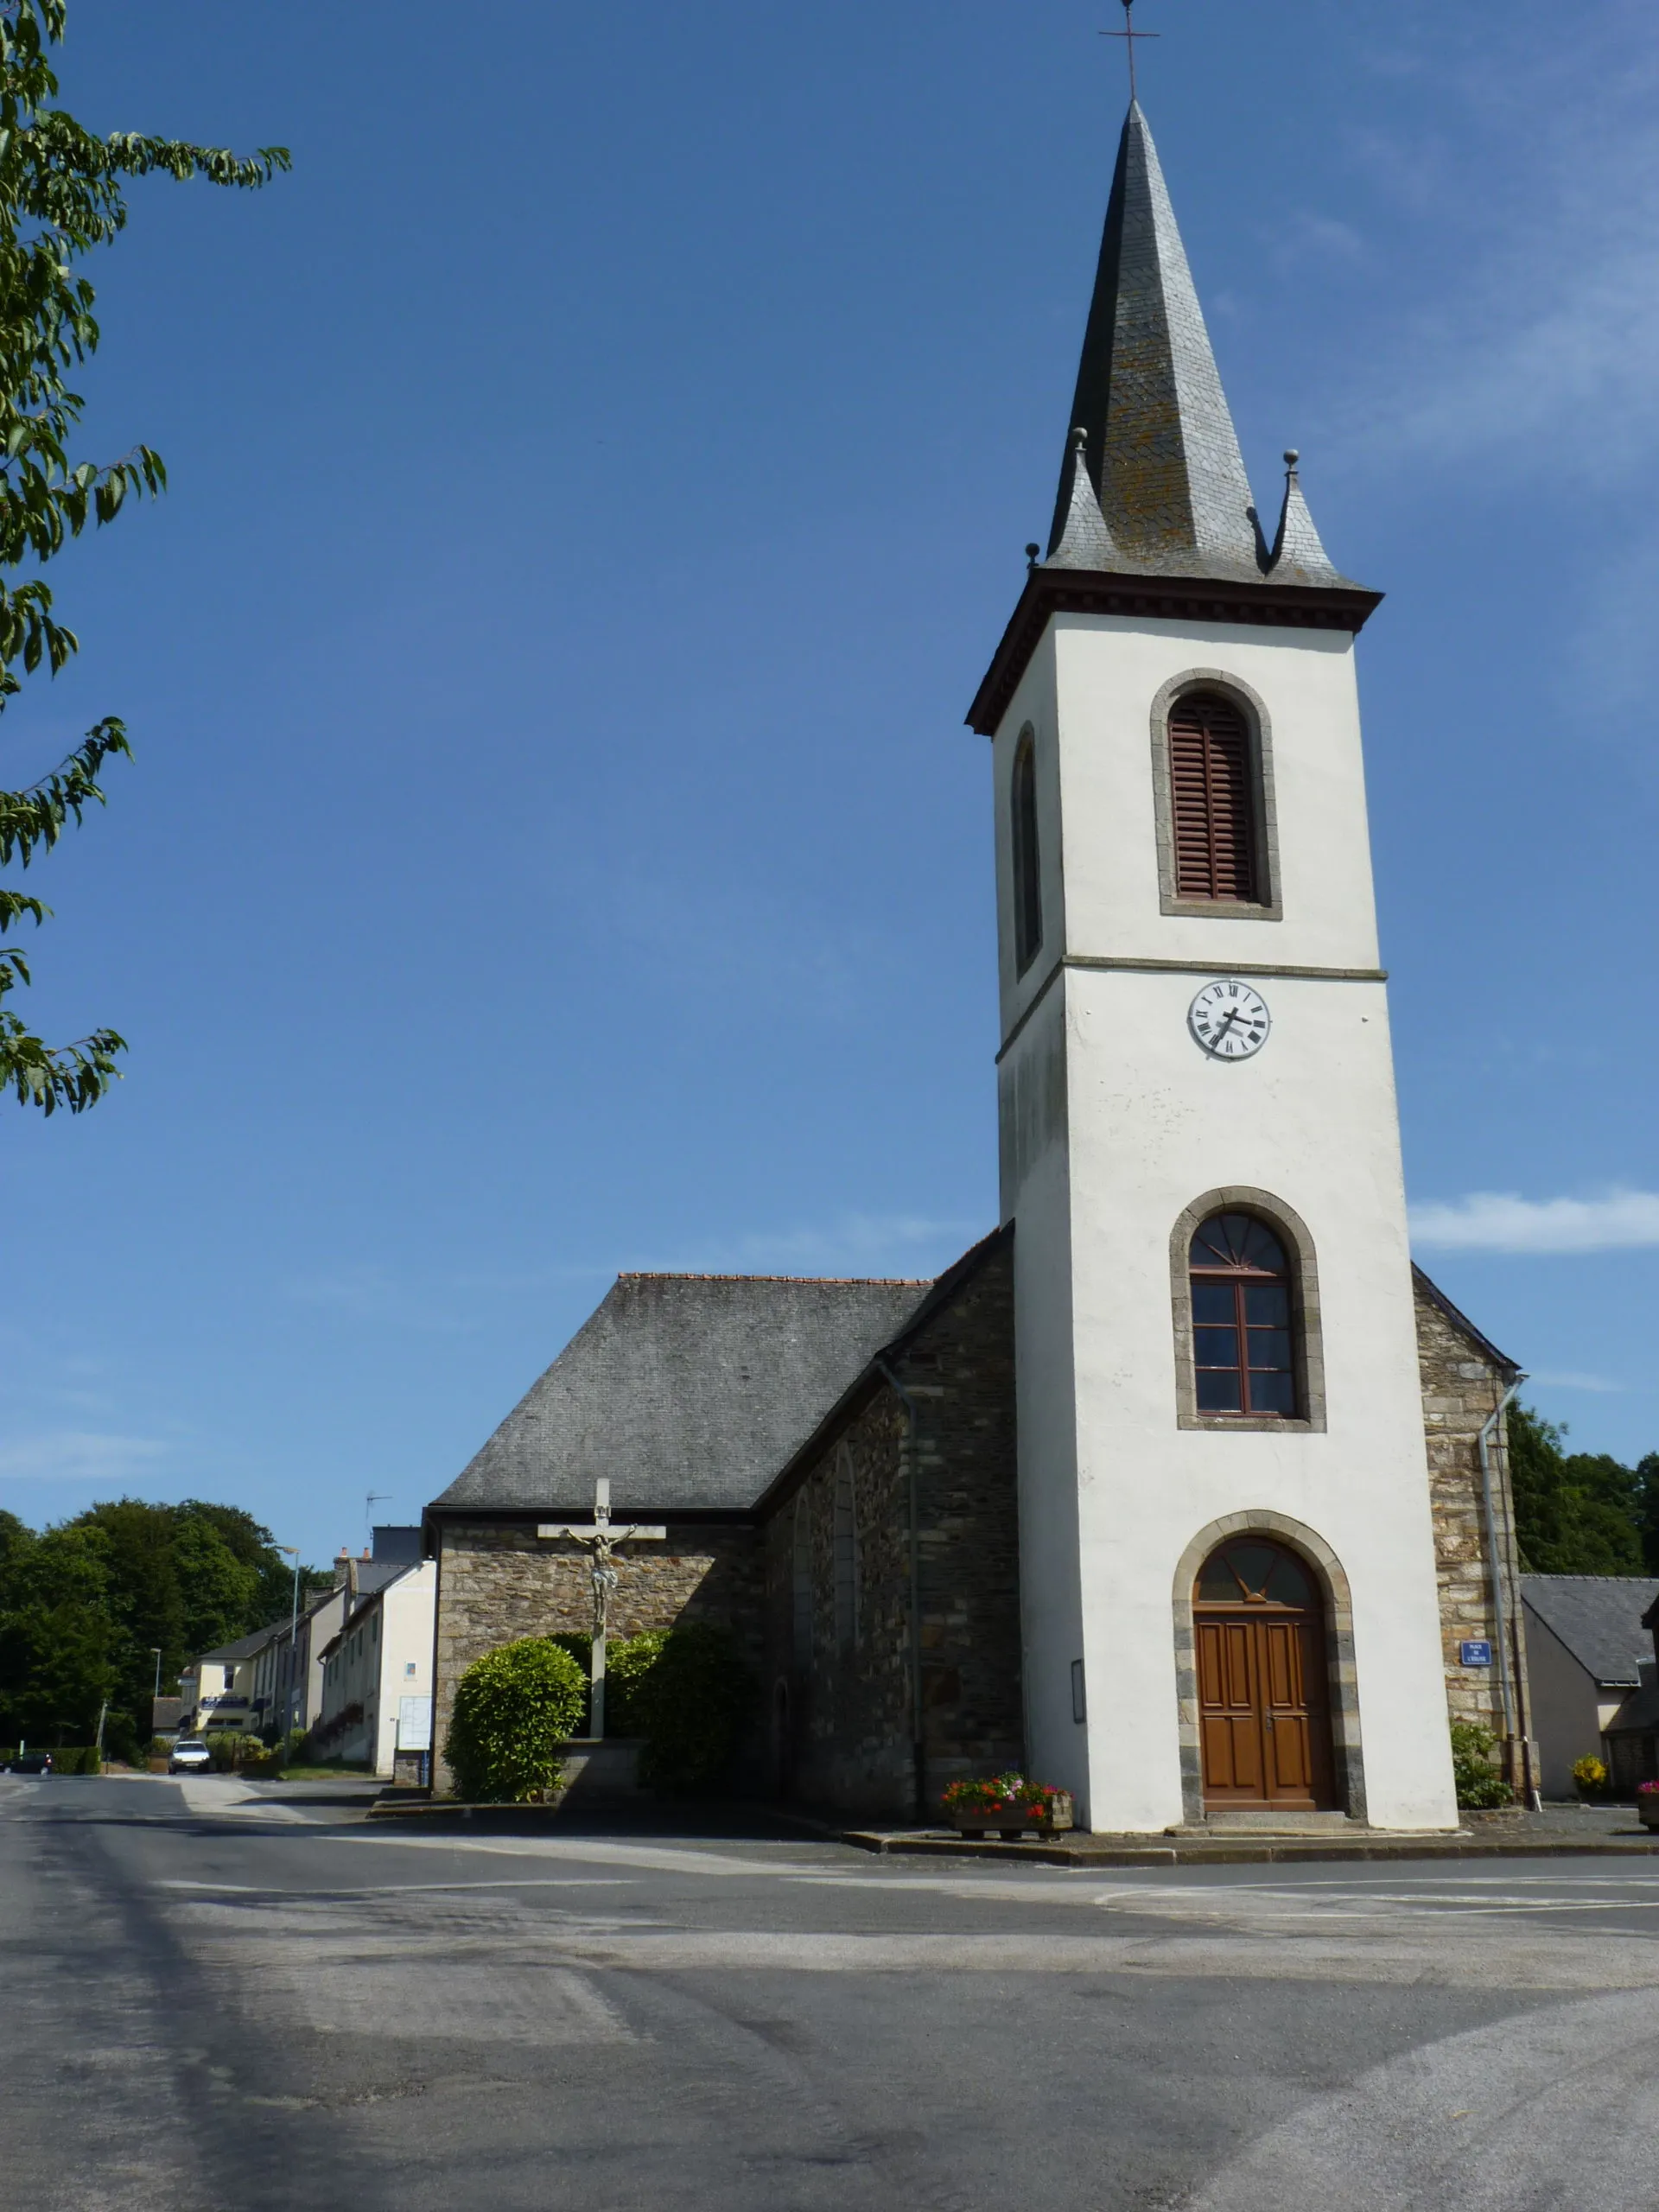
(580, 1645)
(1480, 1786)
(687, 1691)
(514, 1709)
(230, 1752)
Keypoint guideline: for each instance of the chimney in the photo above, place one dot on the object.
(342, 1565)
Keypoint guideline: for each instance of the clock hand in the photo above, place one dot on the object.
(1225, 1027)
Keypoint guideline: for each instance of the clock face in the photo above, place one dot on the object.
(1230, 1020)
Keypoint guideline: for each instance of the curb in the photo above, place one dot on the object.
(1204, 1853)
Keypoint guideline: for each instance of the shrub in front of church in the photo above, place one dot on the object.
(514, 1709)
(1590, 1776)
(689, 1693)
(1480, 1786)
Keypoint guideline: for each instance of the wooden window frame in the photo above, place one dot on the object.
(1026, 852)
(1239, 1280)
(1307, 1347)
(1269, 905)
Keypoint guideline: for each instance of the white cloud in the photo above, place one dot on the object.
(1496, 1221)
(1567, 1378)
(73, 1455)
(1527, 324)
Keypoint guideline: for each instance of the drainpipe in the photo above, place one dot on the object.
(1488, 1434)
(917, 1748)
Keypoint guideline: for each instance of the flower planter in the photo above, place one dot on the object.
(1647, 1807)
(1009, 1822)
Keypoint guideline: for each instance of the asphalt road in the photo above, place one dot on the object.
(217, 1999)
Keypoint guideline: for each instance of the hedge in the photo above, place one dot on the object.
(513, 1710)
(66, 1758)
(688, 1693)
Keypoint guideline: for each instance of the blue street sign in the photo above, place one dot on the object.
(1475, 1654)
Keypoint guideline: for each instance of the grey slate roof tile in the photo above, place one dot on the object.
(1598, 1618)
(688, 1391)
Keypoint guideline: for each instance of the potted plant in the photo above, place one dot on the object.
(1007, 1805)
(1647, 1804)
(1590, 1776)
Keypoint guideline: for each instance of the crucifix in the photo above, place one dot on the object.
(1129, 35)
(599, 1539)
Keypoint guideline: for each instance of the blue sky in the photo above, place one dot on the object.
(600, 474)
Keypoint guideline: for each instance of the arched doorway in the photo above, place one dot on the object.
(1264, 1703)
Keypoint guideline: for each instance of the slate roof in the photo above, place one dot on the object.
(1598, 1618)
(245, 1646)
(1428, 1289)
(690, 1392)
(1156, 485)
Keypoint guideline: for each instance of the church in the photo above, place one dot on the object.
(1183, 1490)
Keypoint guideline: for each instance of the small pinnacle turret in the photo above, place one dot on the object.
(1296, 555)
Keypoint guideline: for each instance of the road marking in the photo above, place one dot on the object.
(407, 1889)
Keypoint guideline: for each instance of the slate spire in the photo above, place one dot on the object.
(1161, 452)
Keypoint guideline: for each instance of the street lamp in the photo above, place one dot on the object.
(292, 1633)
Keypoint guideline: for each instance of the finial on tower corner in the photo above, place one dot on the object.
(1032, 555)
(1292, 457)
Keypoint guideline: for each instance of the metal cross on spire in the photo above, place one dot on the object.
(1129, 35)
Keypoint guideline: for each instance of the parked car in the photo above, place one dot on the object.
(30, 1763)
(189, 1756)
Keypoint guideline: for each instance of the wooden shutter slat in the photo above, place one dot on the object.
(1212, 801)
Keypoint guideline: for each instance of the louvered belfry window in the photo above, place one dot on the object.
(1211, 781)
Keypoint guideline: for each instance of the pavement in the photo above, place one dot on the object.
(224, 1994)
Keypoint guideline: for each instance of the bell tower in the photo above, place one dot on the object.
(1217, 1370)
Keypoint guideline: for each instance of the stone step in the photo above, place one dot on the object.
(1272, 1823)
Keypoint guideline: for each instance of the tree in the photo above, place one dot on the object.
(175, 1578)
(1647, 1480)
(1575, 1513)
(60, 196)
(57, 1638)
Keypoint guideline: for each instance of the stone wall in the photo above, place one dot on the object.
(843, 1703)
(498, 1581)
(1461, 1388)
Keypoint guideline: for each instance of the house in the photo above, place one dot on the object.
(377, 1677)
(1587, 1645)
(216, 1692)
(289, 1670)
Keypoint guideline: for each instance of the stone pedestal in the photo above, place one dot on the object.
(600, 1772)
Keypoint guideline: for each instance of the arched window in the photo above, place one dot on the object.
(1213, 801)
(846, 1553)
(1027, 866)
(1243, 1352)
(801, 1581)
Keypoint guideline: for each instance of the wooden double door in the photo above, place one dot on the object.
(1264, 1715)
